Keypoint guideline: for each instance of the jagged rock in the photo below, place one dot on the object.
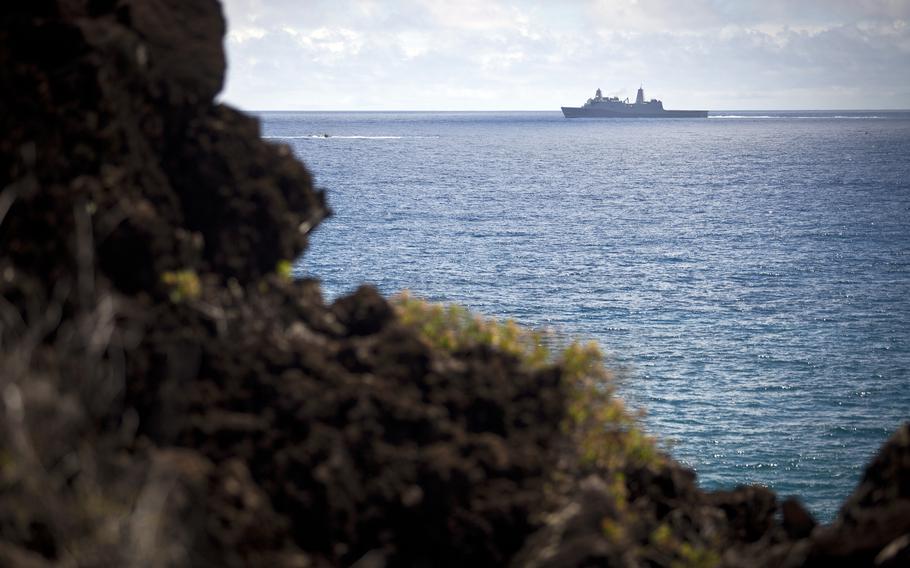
(125, 186)
(875, 516)
(797, 521)
(749, 510)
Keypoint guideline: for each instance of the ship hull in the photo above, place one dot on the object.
(580, 112)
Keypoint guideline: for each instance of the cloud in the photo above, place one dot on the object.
(414, 43)
(242, 34)
(327, 45)
(435, 54)
(695, 15)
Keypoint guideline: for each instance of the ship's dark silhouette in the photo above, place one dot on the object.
(611, 107)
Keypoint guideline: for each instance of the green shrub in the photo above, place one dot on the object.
(606, 434)
(285, 269)
(453, 328)
(184, 284)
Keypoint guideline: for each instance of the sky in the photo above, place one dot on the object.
(540, 55)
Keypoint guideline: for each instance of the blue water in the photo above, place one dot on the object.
(748, 274)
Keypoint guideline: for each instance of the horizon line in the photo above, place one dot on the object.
(559, 110)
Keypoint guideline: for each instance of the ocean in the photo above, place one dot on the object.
(747, 275)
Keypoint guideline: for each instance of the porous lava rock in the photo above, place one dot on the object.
(142, 230)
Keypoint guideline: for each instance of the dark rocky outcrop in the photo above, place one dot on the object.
(168, 397)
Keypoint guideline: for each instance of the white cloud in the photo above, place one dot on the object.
(514, 54)
(472, 15)
(242, 34)
(327, 45)
(414, 43)
(500, 61)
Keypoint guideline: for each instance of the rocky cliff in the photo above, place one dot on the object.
(171, 397)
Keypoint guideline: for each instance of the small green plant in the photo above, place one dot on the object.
(696, 557)
(453, 328)
(608, 435)
(684, 554)
(284, 269)
(612, 530)
(184, 285)
(662, 536)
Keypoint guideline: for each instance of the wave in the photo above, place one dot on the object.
(829, 116)
(334, 136)
(346, 137)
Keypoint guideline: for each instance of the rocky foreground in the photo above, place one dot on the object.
(169, 397)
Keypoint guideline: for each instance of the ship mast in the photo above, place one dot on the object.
(640, 97)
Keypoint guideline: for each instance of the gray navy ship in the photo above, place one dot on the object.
(612, 107)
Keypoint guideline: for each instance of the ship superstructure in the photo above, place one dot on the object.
(611, 107)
